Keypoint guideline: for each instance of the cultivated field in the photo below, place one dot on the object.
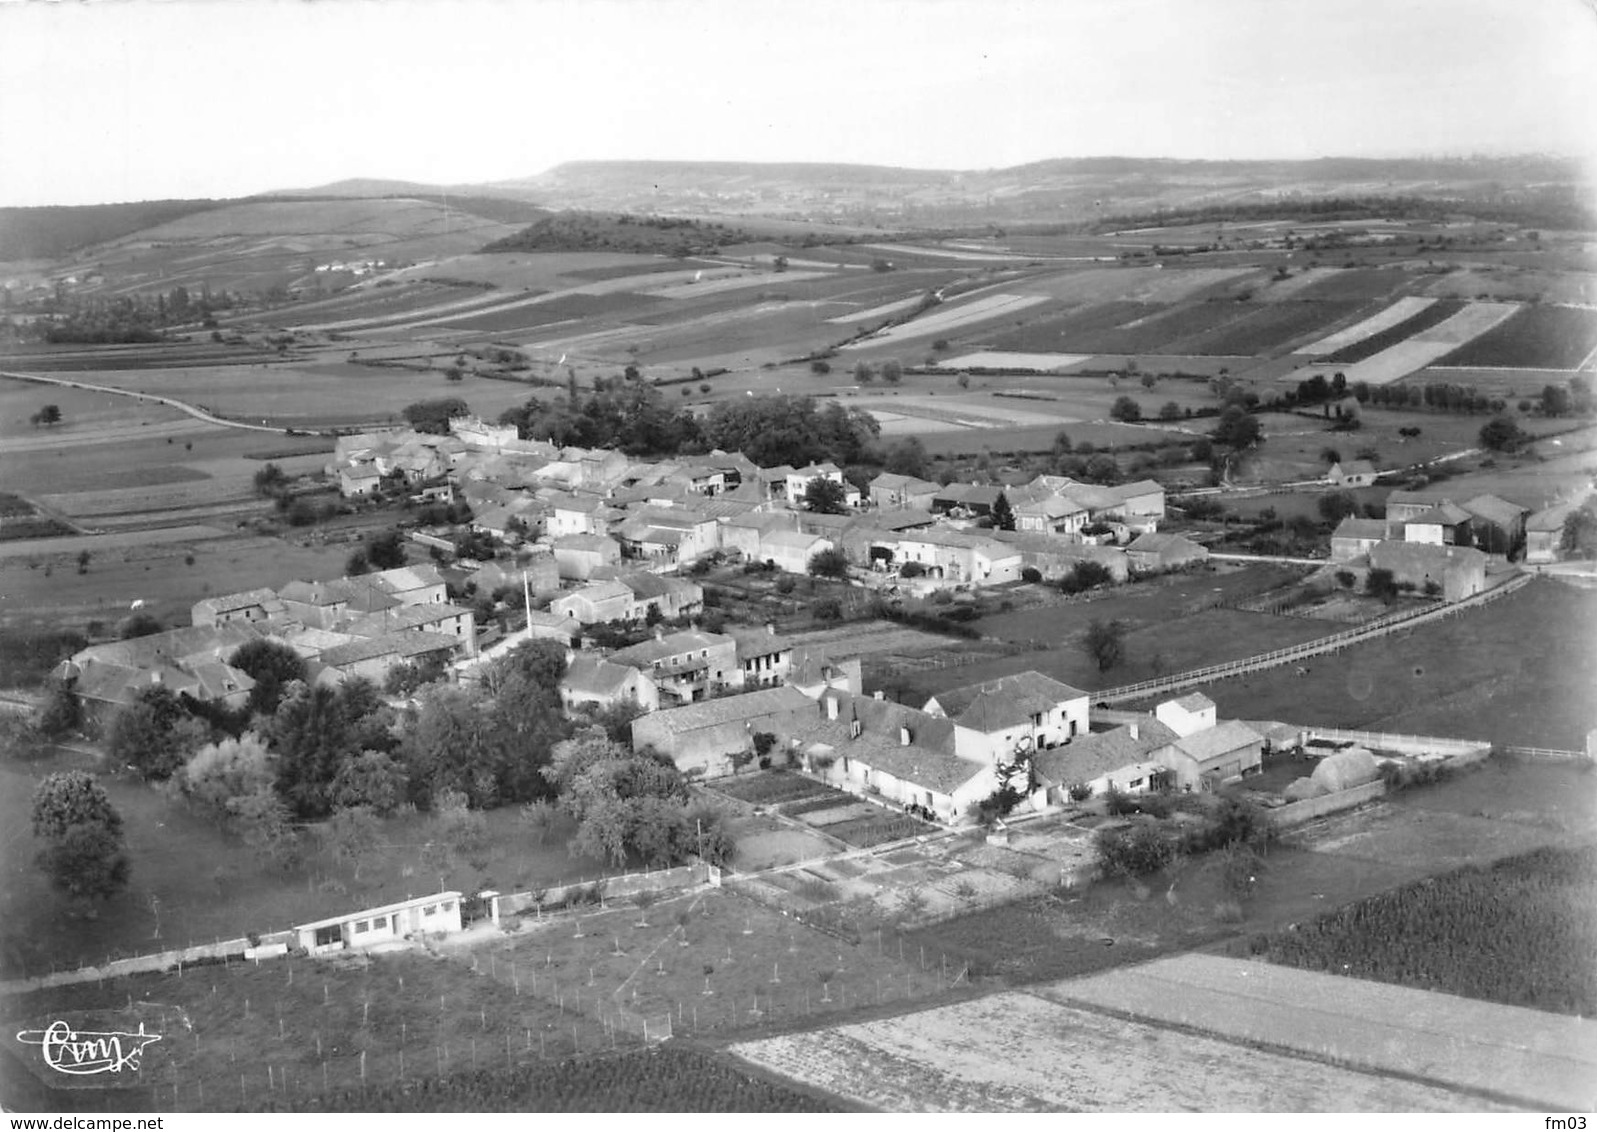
(1429, 345)
(1510, 1054)
(951, 317)
(1400, 311)
(1016, 1052)
(1536, 337)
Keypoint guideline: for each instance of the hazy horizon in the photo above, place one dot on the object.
(130, 100)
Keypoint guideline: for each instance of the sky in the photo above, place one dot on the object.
(112, 100)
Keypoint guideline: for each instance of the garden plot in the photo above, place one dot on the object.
(1015, 1052)
(1429, 345)
(1000, 359)
(945, 252)
(1545, 1060)
(959, 412)
(897, 424)
(1400, 311)
(949, 317)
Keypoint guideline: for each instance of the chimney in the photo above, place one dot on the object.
(831, 707)
(878, 694)
(903, 736)
(1135, 731)
(770, 628)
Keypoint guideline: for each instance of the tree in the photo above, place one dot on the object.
(87, 863)
(353, 834)
(826, 496)
(84, 557)
(892, 371)
(1381, 583)
(154, 734)
(1105, 642)
(219, 772)
(1149, 381)
(1003, 513)
(1330, 456)
(829, 563)
(1555, 400)
(1238, 428)
(139, 625)
(270, 480)
(386, 551)
(1125, 409)
(1500, 434)
(372, 779)
(1135, 851)
(83, 857)
(434, 416)
(48, 416)
(62, 711)
(315, 729)
(72, 798)
(539, 817)
(906, 457)
(273, 665)
(542, 662)
(1170, 411)
(1579, 536)
(1337, 506)
(863, 372)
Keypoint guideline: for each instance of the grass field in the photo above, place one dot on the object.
(1261, 331)
(1520, 931)
(193, 883)
(1518, 672)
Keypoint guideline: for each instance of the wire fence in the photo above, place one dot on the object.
(1335, 642)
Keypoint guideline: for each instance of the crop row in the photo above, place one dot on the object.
(1521, 931)
(1423, 320)
(1536, 337)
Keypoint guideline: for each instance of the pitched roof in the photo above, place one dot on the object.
(881, 722)
(1217, 741)
(646, 585)
(1136, 488)
(598, 543)
(1356, 468)
(1049, 506)
(1153, 543)
(404, 617)
(730, 709)
(403, 579)
(599, 591)
(790, 540)
(1360, 528)
(246, 599)
(1193, 702)
(681, 643)
(1495, 509)
(901, 519)
(1550, 519)
(1445, 513)
(595, 675)
(401, 643)
(1004, 702)
(758, 642)
(1094, 755)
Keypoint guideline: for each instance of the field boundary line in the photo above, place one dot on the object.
(1334, 642)
(183, 406)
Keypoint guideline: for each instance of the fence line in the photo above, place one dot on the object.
(1336, 641)
(1548, 754)
(1390, 741)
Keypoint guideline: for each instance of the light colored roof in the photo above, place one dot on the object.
(404, 617)
(1153, 543)
(599, 591)
(386, 909)
(758, 642)
(1005, 702)
(791, 540)
(1446, 514)
(595, 675)
(1360, 528)
(1193, 702)
(1217, 741)
(244, 600)
(730, 709)
(1137, 488)
(602, 544)
(406, 578)
(1423, 555)
(1551, 519)
(399, 643)
(1495, 509)
(1091, 756)
(687, 641)
(1356, 468)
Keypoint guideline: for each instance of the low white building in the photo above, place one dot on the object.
(437, 913)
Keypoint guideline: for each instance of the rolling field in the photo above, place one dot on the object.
(1361, 284)
(1433, 314)
(1429, 345)
(1394, 315)
(1056, 332)
(1016, 1052)
(1513, 1054)
(1518, 671)
(1536, 337)
(950, 317)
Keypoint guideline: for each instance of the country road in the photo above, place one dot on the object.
(182, 406)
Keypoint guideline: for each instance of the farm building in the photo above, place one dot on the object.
(592, 680)
(1446, 524)
(536, 576)
(373, 658)
(436, 619)
(669, 598)
(702, 736)
(741, 534)
(995, 720)
(885, 750)
(1459, 571)
(1354, 537)
(578, 556)
(577, 515)
(1054, 557)
(1496, 525)
(321, 605)
(592, 604)
(1120, 758)
(812, 672)
(358, 482)
(1153, 553)
(667, 537)
(685, 666)
(1353, 473)
(437, 913)
(894, 492)
(1208, 758)
(103, 687)
(966, 498)
(251, 605)
(764, 658)
(791, 551)
(1544, 533)
(1407, 504)
(412, 585)
(799, 480)
(1050, 515)
(1187, 714)
(552, 627)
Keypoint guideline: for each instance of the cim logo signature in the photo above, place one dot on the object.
(85, 1053)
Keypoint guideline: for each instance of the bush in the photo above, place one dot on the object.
(1345, 578)
(1080, 792)
(1135, 850)
(1030, 574)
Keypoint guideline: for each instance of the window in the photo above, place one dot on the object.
(430, 910)
(327, 936)
(362, 926)
(380, 924)
(447, 906)
(1134, 784)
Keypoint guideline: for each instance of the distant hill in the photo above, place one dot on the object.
(53, 231)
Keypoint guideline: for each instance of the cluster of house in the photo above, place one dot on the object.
(360, 626)
(598, 512)
(1026, 731)
(1433, 543)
